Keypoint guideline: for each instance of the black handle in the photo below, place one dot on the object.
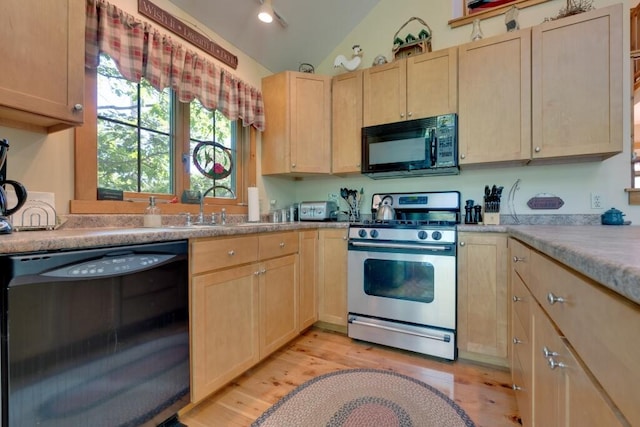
(21, 195)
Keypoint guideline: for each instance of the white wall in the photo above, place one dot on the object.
(572, 182)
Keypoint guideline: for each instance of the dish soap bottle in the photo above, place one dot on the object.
(152, 216)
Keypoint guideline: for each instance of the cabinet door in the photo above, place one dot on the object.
(495, 99)
(224, 328)
(332, 281)
(385, 93)
(42, 76)
(346, 125)
(483, 295)
(564, 394)
(577, 85)
(310, 100)
(278, 303)
(308, 279)
(432, 84)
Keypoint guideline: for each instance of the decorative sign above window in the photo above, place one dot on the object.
(171, 23)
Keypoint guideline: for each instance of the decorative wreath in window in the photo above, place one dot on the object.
(213, 160)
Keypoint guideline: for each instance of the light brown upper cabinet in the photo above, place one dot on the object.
(495, 99)
(420, 86)
(577, 85)
(346, 123)
(297, 137)
(42, 77)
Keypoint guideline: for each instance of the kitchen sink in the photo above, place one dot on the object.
(252, 224)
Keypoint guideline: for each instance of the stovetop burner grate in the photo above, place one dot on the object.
(408, 223)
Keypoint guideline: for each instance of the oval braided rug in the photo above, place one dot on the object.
(364, 398)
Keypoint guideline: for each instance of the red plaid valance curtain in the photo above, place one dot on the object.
(139, 51)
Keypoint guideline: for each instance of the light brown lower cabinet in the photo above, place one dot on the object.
(308, 279)
(278, 284)
(570, 340)
(244, 304)
(483, 297)
(332, 277)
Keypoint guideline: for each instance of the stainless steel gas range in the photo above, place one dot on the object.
(402, 274)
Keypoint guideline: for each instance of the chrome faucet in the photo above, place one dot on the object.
(223, 214)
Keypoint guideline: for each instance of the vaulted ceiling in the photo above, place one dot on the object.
(315, 27)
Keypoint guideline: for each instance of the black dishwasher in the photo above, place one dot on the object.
(95, 337)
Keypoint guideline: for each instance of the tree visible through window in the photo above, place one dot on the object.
(136, 144)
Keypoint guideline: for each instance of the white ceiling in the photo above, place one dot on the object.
(315, 27)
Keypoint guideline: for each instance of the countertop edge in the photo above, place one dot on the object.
(622, 278)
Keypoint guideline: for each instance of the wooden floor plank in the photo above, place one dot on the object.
(482, 391)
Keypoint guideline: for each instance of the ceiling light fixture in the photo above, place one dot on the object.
(267, 13)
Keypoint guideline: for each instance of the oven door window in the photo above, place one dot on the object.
(406, 280)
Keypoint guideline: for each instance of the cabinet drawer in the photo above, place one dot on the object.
(278, 244)
(521, 303)
(601, 326)
(520, 258)
(213, 254)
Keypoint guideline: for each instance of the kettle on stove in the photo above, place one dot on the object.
(21, 193)
(385, 210)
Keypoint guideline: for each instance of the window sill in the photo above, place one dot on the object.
(123, 207)
(498, 10)
(634, 196)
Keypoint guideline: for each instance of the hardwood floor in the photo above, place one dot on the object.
(483, 392)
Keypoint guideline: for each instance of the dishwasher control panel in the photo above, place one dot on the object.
(110, 266)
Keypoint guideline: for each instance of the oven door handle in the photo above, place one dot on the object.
(388, 245)
(443, 337)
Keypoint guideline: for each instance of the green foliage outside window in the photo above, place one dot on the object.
(136, 148)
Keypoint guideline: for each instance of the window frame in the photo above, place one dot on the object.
(86, 167)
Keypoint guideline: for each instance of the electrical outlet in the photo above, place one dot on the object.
(596, 201)
(332, 197)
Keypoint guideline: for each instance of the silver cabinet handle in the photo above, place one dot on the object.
(553, 364)
(517, 259)
(537, 149)
(516, 387)
(552, 299)
(256, 273)
(263, 271)
(516, 341)
(282, 244)
(78, 107)
(462, 156)
(410, 114)
(548, 353)
(462, 243)
(293, 165)
(516, 299)
(401, 115)
(231, 252)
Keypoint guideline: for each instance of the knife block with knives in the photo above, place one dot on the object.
(492, 198)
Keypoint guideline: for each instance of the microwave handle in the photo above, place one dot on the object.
(433, 146)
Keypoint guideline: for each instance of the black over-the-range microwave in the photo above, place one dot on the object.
(418, 147)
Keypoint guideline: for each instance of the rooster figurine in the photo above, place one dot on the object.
(352, 63)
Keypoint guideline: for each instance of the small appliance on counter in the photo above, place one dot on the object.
(20, 191)
(318, 211)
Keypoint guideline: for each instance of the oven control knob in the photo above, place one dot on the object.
(362, 233)
(422, 235)
(436, 235)
(374, 233)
